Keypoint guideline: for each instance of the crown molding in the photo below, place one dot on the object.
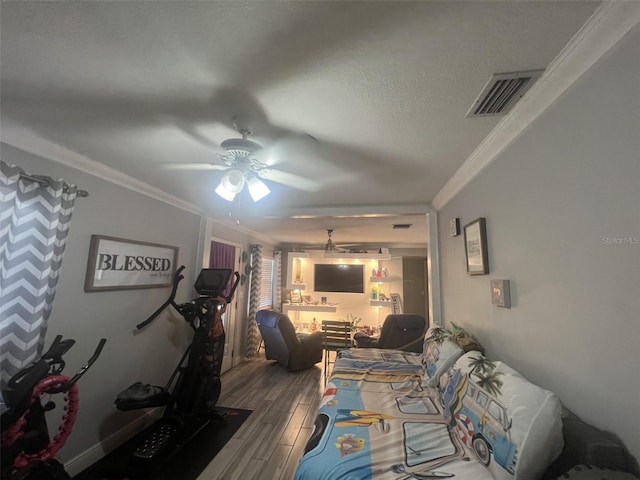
(352, 211)
(604, 29)
(26, 140)
(232, 225)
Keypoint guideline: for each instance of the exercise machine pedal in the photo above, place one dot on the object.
(163, 437)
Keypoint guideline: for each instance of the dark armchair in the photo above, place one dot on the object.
(404, 331)
(281, 343)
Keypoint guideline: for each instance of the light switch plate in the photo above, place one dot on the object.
(454, 227)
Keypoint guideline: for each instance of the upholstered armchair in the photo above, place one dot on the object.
(282, 344)
(404, 331)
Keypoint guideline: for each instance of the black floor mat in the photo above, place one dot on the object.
(184, 464)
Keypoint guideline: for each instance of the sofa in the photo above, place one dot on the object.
(448, 411)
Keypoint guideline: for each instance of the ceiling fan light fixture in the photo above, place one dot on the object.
(257, 188)
(224, 193)
(231, 184)
(233, 180)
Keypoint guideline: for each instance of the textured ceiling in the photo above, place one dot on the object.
(368, 99)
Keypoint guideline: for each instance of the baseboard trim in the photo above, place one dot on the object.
(90, 456)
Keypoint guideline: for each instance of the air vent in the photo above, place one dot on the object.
(502, 92)
(402, 225)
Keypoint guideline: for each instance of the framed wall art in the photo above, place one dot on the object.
(296, 296)
(119, 264)
(475, 245)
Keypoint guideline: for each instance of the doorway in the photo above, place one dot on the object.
(414, 284)
(223, 254)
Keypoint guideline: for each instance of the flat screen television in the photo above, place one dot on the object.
(338, 278)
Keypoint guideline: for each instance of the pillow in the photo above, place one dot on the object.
(466, 340)
(509, 424)
(439, 353)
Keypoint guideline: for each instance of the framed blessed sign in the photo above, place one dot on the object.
(475, 245)
(119, 264)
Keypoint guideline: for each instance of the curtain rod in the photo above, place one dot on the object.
(45, 183)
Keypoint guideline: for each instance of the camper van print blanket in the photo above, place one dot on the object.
(379, 420)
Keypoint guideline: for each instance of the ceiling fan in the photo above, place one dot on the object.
(331, 247)
(243, 161)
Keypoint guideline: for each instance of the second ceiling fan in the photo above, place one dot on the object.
(331, 247)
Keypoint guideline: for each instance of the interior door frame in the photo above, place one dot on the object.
(232, 309)
(204, 253)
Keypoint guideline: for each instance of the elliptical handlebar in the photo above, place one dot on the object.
(185, 309)
(233, 288)
(177, 277)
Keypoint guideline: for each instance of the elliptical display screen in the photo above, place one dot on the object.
(212, 281)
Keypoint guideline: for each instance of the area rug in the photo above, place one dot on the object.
(184, 463)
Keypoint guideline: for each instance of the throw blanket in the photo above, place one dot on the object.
(377, 421)
(382, 417)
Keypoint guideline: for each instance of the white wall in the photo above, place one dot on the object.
(348, 303)
(353, 303)
(562, 205)
(129, 356)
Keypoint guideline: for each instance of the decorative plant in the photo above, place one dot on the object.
(465, 339)
(352, 320)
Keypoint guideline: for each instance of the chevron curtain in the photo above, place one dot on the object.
(253, 333)
(277, 266)
(34, 223)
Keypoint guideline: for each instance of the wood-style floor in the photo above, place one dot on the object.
(270, 443)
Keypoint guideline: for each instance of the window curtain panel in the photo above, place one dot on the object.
(253, 333)
(34, 224)
(223, 256)
(277, 266)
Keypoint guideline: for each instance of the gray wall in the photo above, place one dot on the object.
(128, 356)
(562, 205)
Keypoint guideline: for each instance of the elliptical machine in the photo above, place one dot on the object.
(194, 387)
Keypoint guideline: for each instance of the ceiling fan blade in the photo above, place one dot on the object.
(289, 179)
(268, 156)
(289, 145)
(193, 133)
(194, 166)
